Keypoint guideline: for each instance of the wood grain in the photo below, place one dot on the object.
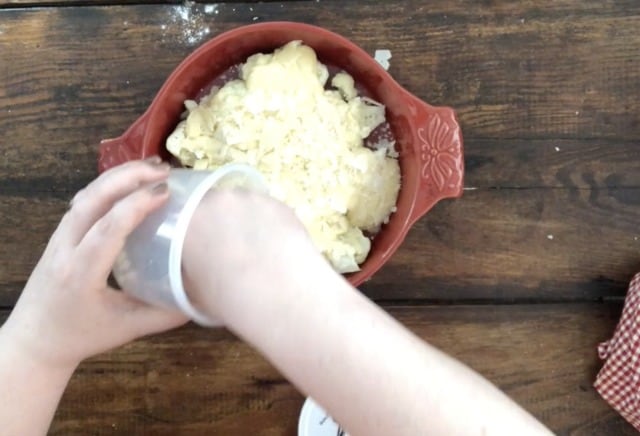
(526, 71)
(513, 244)
(194, 381)
(546, 92)
(492, 245)
(558, 164)
(8, 4)
(58, 168)
(55, 109)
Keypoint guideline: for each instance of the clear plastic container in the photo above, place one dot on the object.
(150, 265)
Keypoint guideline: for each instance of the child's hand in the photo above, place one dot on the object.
(67, 312)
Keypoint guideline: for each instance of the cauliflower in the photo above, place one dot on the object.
(306, 140)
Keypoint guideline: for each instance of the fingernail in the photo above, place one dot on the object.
(153, 159)
(160, 188)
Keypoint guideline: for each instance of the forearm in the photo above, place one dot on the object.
(271, 287)
(30, 391)
(372, 375)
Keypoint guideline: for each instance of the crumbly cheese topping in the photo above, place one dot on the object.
(306, 140)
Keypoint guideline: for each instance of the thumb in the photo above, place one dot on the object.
(137, 318)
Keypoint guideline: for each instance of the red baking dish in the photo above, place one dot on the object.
(428, 138)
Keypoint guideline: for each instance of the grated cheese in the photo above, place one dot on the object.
(306, 140)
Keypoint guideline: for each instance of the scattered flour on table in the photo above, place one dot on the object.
(211, 9)
(189, 22)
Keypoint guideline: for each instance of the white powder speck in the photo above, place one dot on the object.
(577, 112)
(183, 12)
(521, 20)
(550, 237)
(126, 23)
(383, 57)
(191, 20)
(197, 36)
(255, 18)
(127, 82)
(557, 148)
(211, 9)
(635, 238)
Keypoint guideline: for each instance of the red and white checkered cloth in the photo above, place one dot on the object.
(618, 381)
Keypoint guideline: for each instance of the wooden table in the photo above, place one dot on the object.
(520, 279)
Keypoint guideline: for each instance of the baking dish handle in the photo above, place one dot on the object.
(116, 151)
(439, 150)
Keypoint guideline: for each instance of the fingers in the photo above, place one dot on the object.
(137, 318)
(92, 203)
(106, 239)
